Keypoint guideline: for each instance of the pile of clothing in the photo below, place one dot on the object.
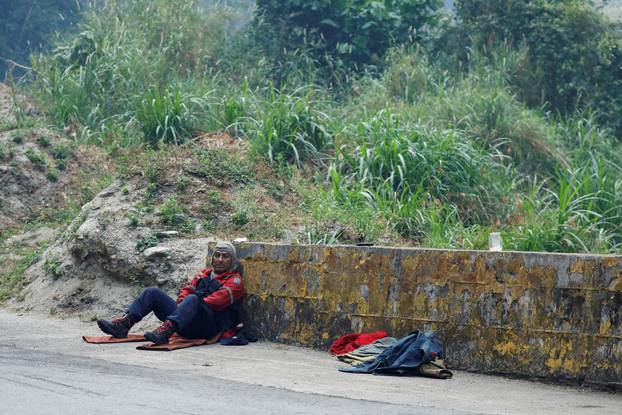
(418, 353)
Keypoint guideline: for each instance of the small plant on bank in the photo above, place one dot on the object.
(43, 141)
(52, 175)
(35, 157)
(172, 213)
(61, 152)
(182, 182)
(240, 217)
(133, 220)
(14, 273)
(146, 241)
(54, 267)
(152, 191)
(18, 137)
(213, 196)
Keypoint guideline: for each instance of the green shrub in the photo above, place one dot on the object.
(221, 166)
(14, 273)
(172, 213)
(43, 141)
(52, 175)
(35, 157)
(395, 161)
(18, 137)
(355, 32)
(240, 217)
(146, 241)
(97, 78)
(574, 55)
(54, 267)
(133, 219)
(290, 126)
(165, 116)
(233, 110)
(61, 152)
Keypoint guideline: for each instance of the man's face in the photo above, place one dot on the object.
(221, 261)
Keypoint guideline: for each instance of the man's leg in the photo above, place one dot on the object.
(196, 320)
(151, 299)
(191, 319)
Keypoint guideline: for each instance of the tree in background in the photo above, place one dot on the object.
(28, 25)
(354, 32)
(574, 54)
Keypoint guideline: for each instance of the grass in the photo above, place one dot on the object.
(14, 271)
(289, 125)
(62, 152)
(146, 241)
(172, 213)
(36, 157)
(419, 148)
(54, 267)
(166, 116)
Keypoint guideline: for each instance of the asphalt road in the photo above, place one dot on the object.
(34, 382)
(45, 368)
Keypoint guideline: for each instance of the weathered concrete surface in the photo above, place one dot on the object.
(553, 316)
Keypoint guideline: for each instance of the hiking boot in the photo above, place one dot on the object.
(162, 333)
(117, 327)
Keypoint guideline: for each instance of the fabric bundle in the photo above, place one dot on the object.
(418, 353)
(367, 352)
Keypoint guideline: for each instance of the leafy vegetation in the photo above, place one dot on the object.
(391, 121)
(146, 241)
(28, 25)
(353, 33)
(14, 276)
(573, 59)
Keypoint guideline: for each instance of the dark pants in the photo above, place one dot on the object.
(193, 317)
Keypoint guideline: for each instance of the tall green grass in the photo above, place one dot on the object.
(393, 159)
(438, 152)
(290, 125)
(139, 65)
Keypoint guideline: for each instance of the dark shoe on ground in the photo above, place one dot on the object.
(162, 333)
(117, 327)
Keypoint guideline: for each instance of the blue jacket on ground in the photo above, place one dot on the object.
(404, 356)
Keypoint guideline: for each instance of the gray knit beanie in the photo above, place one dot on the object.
(228, 248)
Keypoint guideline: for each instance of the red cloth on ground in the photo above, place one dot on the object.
(174, 343)
(349, 342)
(110, 339)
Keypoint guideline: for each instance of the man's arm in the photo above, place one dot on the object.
(232, 289)
(188, 289)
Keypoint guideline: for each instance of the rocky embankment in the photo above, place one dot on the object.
(100, 261)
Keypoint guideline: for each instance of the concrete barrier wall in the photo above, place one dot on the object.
(531, 314)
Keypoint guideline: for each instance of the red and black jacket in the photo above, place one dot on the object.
(218, 291)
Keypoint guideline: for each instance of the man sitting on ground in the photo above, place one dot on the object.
(202, 310)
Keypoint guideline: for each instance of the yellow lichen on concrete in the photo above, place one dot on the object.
(505, 348)
(616, 284)
(522, 313)
(605, 325)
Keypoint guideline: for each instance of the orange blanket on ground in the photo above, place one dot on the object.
(174, 343)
